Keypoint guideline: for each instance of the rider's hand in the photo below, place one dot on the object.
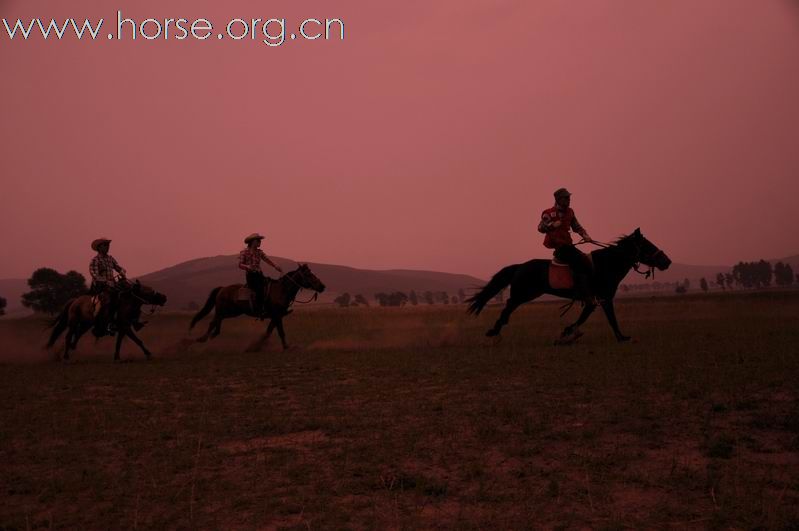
(556, 224)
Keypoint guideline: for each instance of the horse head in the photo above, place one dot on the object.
(148, 294)
(647, 252)
(304, 277)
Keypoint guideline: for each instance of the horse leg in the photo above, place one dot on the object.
(282, 333)
(82, 329)
(510, 306)
(259, 343)
(212, 326)
(120, 337)
(132, 335)
(68, 342)
(217, 328)
(610, 313)
(573, 329)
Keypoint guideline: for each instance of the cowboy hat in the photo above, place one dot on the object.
(562, 192)
(98, 242)
(253, 236)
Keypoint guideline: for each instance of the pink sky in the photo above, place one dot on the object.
(431, 138)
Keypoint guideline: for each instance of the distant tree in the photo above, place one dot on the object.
(192, 306)
(720, 280)
(753, 274)
(461, 295)
(396, 298)
(3, 306)
(687, 284)
(729, 279)
(343, 300)
(360, 299)
(50, 290)
(454, 299)
(680, 288)
(442, 297)
(783, 274)
(765, 272)
(703, 284)
(428, 297)
(413, 298)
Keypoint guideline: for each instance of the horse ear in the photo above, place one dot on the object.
(637, 231)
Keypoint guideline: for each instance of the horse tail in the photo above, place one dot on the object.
(497, 283)
(209, 304)
(59, 324)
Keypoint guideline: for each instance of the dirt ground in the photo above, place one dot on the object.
(409, 418)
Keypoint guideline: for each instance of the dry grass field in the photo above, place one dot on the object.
(409, 418)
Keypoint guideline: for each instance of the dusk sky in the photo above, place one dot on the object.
(432, 137)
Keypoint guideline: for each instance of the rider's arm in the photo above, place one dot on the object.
(579, 229)
(118, 268)
(546, 224)
(94, 271)
(243, 262)
(270, 262)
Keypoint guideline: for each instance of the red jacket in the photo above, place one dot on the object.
(558, 236)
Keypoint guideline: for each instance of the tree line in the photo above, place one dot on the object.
(744, 275)
(400, 298)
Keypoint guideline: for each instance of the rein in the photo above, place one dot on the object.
(314, 297)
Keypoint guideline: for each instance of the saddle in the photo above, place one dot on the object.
(245, 294)
(560, 274)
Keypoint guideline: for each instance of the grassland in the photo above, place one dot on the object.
(409, 418)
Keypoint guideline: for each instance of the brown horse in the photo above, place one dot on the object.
(78, 317)
(278, 297)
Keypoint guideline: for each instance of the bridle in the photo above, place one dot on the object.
(649, 272)
(314, 297)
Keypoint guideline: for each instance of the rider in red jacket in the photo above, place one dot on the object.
(556, 223)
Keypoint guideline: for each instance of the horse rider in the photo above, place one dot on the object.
(556, 223)
(105, 285)
(250, 261)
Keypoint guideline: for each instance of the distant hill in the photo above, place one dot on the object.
(192, 281)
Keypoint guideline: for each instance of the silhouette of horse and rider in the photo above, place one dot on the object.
(113, 306)
(596, 277)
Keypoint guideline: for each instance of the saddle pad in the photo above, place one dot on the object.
(244, 294)
(96, 303)
(560, 276)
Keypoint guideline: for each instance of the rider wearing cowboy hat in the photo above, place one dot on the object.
(104, 284)
(250, 261)
(556, 222)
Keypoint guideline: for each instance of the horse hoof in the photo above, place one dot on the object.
(625, 339)
(492, 333)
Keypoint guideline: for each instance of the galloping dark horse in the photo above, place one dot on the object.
(531, 280)
(78, 315)
(277, 299)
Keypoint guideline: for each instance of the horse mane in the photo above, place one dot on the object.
(621, 240)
